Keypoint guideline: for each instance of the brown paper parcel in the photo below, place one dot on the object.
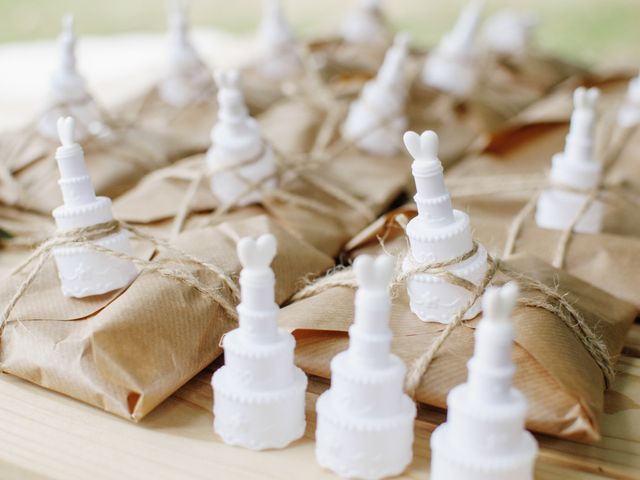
(525, 144)
(563, 384)
(513, 81)
(609, 261)
(458, 122)
(127, 351)
(23, 228)
(185, 130)
(504, 90)
(534, 72)
(115, 163)
(298, 127)
(506, 86)
(354, 188)
(495, 185)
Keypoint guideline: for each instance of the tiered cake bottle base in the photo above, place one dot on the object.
(557, 209)
(258, 420)
(84, 272)
(371, 133)
(434, 299)
(367, 448)
(483, 441)
(449, 464)
(246, 185)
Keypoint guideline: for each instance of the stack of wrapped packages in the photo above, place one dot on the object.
(120, 303)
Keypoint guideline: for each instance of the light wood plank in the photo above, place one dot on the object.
(47, 435)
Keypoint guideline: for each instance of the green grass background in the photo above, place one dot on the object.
(589, 30)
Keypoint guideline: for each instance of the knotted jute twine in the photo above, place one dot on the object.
(606, 191)
(551, 301)
(172, 268)
(302, 168)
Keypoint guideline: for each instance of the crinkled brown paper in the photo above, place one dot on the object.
(561, 381)
(115, 163)
(373, 181)
(127, 351)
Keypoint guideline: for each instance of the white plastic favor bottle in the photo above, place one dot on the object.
(84, 272)
(365, 420)
(574, 173)
(438, 234)
(241, 162)
(259, 394)
(484, 436)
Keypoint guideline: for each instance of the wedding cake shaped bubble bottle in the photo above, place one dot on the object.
(509, 32)
(68, 94)
(629, 114)
(438, 234)
(365, 24)
(279, 54)
(365, 420)
(484, 436)
(259, 392)
(378, 115)
(451, 66)
(574, 173)
(242, 164)
(82, 271)
(187, 80)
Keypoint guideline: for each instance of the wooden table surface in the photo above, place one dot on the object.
(45, 435)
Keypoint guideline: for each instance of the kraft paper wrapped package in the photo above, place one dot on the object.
(323, 206)
(609, 261)
(296, 126)
(117, 158)
(316, 196)
(127, 351)
(117, 154)
(525, 144)
(23, 228)
(562, 381)
(506, 85)
(289, 123)
(185, 129)
(494, 186)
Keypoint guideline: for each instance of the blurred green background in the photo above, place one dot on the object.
(589, 30)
